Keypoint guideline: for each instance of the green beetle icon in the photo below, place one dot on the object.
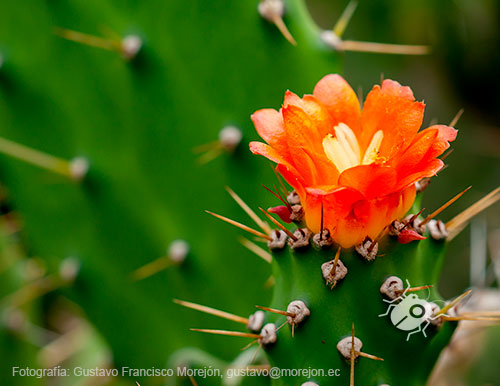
(410, 313)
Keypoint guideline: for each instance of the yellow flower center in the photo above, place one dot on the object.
(343, 148)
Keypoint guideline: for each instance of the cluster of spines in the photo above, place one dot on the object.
(404, 230)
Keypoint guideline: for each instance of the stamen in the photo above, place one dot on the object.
(371, 153)
(333, 150)
(348, 140)
(341, 156)
(343, 148)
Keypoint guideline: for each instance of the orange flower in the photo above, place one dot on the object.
(361, 165)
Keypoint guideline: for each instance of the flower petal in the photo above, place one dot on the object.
(431, 168)
(300, 129)
(340, 100)
(337, 203)
(445, 135)
(305, 146)
(291, 176)
(392, 109)
(268, 152)
(372, 190)
(413, 155)
(371, 180)
(369, 218)
(269, 125)
(317, 112)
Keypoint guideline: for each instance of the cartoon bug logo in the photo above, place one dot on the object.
(410, 313)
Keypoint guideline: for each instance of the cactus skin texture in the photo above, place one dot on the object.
(356, 299)
(204, 65)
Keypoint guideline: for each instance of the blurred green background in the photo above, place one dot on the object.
(461, 72)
